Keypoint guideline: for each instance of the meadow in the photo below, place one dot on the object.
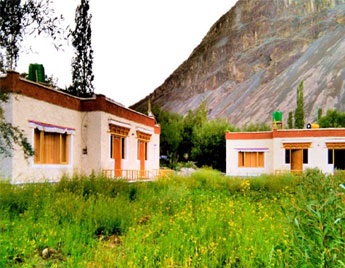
(204, 220)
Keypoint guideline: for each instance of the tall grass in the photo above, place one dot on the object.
(204, 220)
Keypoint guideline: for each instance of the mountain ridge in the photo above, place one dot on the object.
(252, 59)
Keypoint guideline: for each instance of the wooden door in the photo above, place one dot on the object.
(297, 160)
(117, 155)
(142, 158)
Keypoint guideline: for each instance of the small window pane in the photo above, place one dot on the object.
(261, 159)
(64, 148)
(111, 146)
(330, 156)
(240, 159)
(123, 148)
(145, 150)
(287, 156)
(305, 156)
(37, 145)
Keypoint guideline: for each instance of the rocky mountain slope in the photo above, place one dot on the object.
(253, 58)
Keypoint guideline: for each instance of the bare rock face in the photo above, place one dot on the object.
(253, 58)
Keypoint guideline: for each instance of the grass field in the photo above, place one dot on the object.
(205, 220)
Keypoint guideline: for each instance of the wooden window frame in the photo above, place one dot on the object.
(40, 149)
(244, 159)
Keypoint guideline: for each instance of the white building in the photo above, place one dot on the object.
(255, 153)
(76, 135)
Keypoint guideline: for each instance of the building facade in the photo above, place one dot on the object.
(280, 151)
(76, 135)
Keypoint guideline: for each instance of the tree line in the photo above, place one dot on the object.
(196, 139)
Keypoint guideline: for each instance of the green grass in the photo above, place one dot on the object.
(205, 220)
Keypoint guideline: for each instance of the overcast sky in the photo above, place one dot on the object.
(137, 44)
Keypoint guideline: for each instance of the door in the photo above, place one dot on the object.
(117, 155)
(142, 157)
(297, 160)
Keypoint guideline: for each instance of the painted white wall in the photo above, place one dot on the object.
(91, 132)
(275, 156)
(317, 153)
(25, 109)
(232, 168)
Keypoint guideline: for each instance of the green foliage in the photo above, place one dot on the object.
(82, 74)
(319, 115)
(318, 220)
(19, 18)
(209, 144)
(11, 136)
(202, 220)
(195, 138)
(192, 138)
(290, 121)
(299, 112)
(171, 134)
(333, 118)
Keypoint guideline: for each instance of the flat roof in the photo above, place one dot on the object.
(286, 133)
(13, 83)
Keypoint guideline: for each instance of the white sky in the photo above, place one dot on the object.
(137, 44)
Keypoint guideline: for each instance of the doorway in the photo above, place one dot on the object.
(142, 156)
(297, 160)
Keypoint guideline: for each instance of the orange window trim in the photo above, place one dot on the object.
(336, 145)
(297, 145)
(143, 136)
(118, 131)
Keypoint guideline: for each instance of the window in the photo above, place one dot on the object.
(305, 156)
(123, 148)
(330, 156)
(251, 159)
(51, 148)
(287, 156)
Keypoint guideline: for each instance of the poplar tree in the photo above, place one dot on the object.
(21, 18)
(290, 120)
(319, 114)
(82, 75)
(299, 112)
